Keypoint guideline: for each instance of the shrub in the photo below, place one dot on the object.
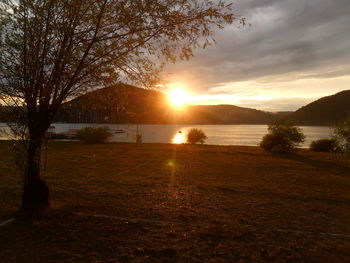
(342, 135)
(283, 136)
(94, 135)
(196, 136)
(325, 145)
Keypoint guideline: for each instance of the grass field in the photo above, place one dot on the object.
(181, 203)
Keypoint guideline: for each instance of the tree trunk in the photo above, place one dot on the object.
(35, 191)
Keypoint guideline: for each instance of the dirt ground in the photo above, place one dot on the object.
(181, 203)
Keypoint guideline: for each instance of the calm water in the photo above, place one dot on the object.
(249, 135)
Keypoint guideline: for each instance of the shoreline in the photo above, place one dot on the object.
(250, 135)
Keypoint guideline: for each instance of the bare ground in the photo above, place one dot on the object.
(181, 203)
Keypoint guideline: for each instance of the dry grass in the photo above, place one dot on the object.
(182, 203)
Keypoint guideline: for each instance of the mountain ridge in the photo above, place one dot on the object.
(328, 110)
(124, 103)
(128, 104)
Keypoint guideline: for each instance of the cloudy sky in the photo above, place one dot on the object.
(294, 52)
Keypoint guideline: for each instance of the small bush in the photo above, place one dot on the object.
(196, 136)
(283, 136)
(94, 135)
(325, 145)
(342, 135)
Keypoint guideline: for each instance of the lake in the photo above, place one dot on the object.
(248, 135)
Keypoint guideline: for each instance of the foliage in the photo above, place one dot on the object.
(94, 135)
(342, 135)
(196, 136)
(63, 47)
(325, 145)
(54, 50)
(283, 136)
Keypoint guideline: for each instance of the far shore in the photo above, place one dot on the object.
(105, 123)
(248, 135)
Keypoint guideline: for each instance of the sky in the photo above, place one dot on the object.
(294, 52)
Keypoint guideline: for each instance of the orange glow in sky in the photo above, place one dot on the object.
(179, 97)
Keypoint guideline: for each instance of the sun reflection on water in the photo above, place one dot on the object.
(179, 138)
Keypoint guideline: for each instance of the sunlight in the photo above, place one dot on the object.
(179, 138)
(179, 97)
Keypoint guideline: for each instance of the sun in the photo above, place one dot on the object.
(179, 97)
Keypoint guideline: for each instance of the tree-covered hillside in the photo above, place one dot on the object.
(325, 111)
(128, 104)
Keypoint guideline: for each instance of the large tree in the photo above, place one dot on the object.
(53, 50)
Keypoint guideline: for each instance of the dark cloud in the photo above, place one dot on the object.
(304, 38)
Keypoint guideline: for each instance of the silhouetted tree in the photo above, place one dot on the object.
(342, 134)
(51, 50)
(283, 136)
(195, 136)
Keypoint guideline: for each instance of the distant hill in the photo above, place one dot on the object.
(128, 104)
(227, 114)
(325, 111)
(124, 103)
(121, 103)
